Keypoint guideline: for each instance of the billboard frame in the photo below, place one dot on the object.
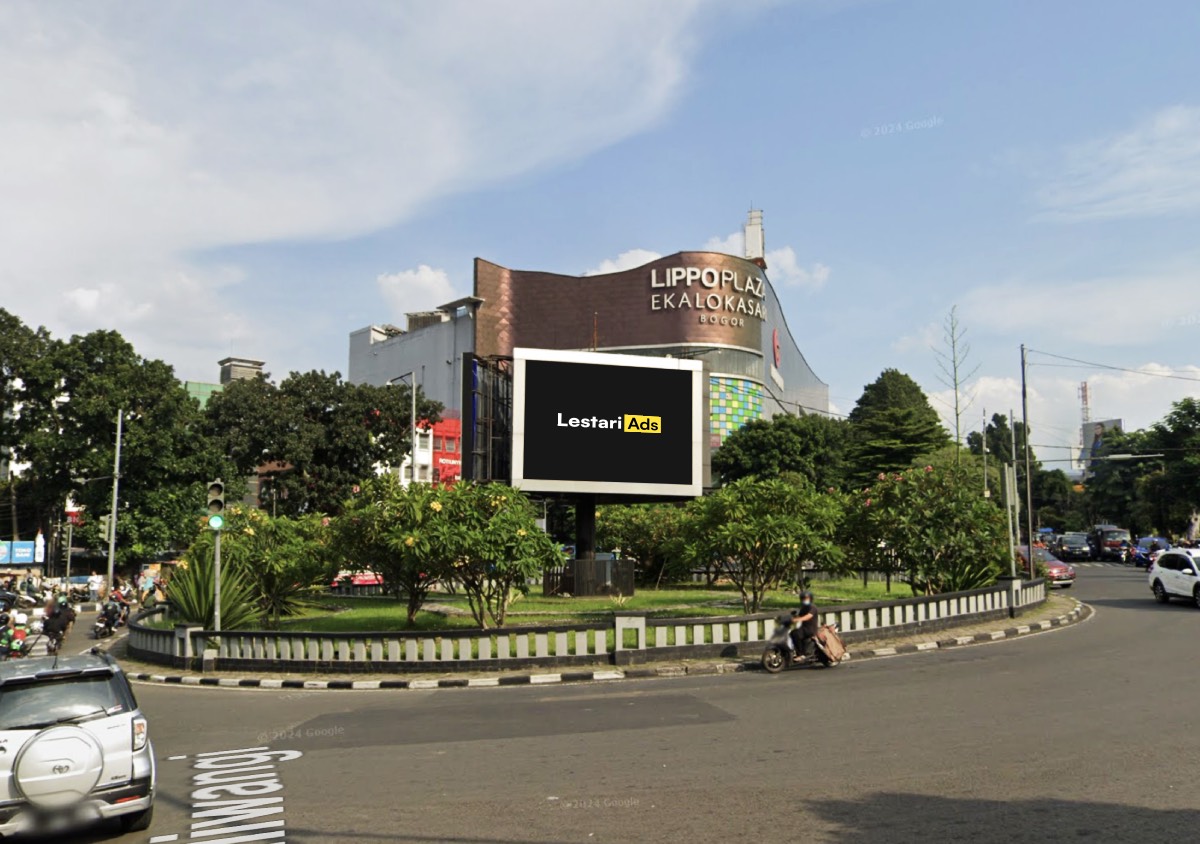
(650, 490)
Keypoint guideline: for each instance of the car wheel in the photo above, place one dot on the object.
(1160, 594)
(1196, 596)
(138, 822)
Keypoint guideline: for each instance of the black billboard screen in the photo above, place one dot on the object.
(590, 422)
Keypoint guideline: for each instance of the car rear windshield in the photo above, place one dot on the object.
(1116, 534)
(40, 704)
(1075, 537)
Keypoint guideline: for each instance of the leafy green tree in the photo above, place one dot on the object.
(1114, 487)
(892, 425)
(69, 394)
(651, 534)
(813, 446)
(1173, 490)
(324, 434)
(932, 524)
(500, 547)
(282, 560)
(394, 531)
(761, 531)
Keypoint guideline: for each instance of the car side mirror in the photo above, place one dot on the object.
(1189, 572)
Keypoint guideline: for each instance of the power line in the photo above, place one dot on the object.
(1093, 364)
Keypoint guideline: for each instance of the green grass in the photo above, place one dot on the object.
(335, 614)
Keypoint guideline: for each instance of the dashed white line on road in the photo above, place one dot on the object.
(175, 758)
(163, 839)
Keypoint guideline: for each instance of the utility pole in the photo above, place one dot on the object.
(1028, 458)
(112, 522)
(986, 492)
(1012, 502)
(70, 541)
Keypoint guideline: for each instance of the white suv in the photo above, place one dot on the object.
(1176, 574)
(74, 748)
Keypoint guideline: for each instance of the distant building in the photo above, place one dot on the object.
(717, 308)
(235, 369)
(201, 391)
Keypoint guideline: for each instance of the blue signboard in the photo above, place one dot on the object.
(22, 553)
(5, 553)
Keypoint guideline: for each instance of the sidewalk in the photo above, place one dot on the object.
(1058, 611)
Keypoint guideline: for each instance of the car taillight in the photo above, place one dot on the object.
(140, 733)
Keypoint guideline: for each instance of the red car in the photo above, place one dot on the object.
(1058, 573)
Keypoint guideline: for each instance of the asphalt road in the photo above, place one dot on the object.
(1082, 733)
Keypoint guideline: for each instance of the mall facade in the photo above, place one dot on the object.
(716, 308)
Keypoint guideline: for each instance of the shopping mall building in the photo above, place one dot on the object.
(717, 308)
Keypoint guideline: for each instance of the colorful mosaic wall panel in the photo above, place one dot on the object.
(734, 402)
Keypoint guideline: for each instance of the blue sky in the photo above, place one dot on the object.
(265, 180)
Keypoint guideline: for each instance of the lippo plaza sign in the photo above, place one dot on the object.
(719, 296)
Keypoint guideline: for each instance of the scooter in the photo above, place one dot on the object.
(103, 628)
(780, 655)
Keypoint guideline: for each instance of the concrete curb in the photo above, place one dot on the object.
(1079, 613)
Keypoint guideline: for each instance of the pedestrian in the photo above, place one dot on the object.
(95, 584)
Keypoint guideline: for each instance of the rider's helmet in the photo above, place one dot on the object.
(63, 600)
(806, 597)
(4, 619)
(21, 619)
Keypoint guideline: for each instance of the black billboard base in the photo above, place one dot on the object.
(585, 527)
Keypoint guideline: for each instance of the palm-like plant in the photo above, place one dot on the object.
(192, 593)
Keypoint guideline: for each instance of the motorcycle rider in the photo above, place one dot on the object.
(55, 626)
(805, 624)
(6, 635)
(18, 633)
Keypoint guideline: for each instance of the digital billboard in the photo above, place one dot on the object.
(588, 422)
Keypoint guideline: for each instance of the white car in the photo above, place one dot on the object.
(1176, 574)
(74, 747)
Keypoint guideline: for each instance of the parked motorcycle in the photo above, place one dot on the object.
(779, 654)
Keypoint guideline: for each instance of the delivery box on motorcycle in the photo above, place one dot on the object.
(831, 643)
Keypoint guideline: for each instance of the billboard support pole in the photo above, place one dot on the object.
(585, 527)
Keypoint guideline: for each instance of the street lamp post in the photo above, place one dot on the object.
(412, 423)
(112, 525)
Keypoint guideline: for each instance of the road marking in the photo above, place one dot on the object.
(175, 758)
(230, 799)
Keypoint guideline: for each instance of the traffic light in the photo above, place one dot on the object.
(105, 527)
(216, 504)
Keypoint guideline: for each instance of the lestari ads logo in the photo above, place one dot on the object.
(578, 418)
(629, 422)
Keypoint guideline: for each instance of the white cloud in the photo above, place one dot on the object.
(734, 244)
(1161, 297)
(1150, 170)
(783, 267)
(785, 270)
(135, 137)
(624, 261)
(422, 289)
(926, 337)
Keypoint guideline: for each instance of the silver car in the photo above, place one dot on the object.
(74, 748)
